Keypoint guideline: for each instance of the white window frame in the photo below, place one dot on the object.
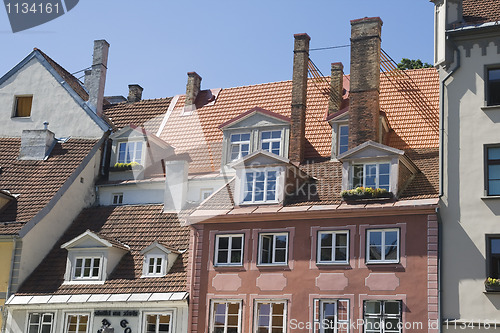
(78, 315)
(377, 177)
(321, 323)
(205, 193)
(382, 316)
(117, 199)
(273, 248)
(383, 246)
(339, 135)
(163, 313)
(92, 267)
(155, 257)
(271, 140)
(266, 173)
(333, 247)
(239, 144)
(227, 302)
(229, 250)
(134, 153)
(271, 302)
(40, 323)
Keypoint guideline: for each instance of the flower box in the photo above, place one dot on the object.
(491, 284)
(366, 193)
(125, 167)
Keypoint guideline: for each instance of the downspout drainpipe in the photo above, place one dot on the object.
(441, 172)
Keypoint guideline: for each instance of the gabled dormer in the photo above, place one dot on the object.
(91, 258)
(137, 154)
(158, 260)
(375, 165)
(265, 178)
(253, 130)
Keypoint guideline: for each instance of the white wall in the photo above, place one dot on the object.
(51, 102)
(467, 216)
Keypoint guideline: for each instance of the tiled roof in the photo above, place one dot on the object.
(148, 113)
(35, 182)
(481, 11)
(138, 227)
(410, 103)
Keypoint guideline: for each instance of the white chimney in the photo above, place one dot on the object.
(96, 81)
(176, 185)
(36, 144)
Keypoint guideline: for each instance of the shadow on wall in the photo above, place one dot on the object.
(493, 205)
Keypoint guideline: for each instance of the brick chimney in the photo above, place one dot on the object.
(299, 97)
(364, 105)
(97, 78)
(36, 144)
(192, 88)
(134, 93)
(336, 87)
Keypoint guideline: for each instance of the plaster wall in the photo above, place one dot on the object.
(42, 237)
(302, 279)
(6, 247)
(51, 102)
(467, 215)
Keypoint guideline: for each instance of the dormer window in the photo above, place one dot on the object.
(158, 260)
(374, 175)
(271, 141)
(260, 186)
(240, 145)
(87, 268)
(22, 106)
(156, 265)
(129, 152)
(343, 139)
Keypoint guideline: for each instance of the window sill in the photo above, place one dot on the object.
(490, 107)
(383, 263)
(229, 268)
(285, 267)
(489, 197)
(332, 264)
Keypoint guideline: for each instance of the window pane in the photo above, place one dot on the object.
(235, 152)
(236, 242)
(494, 187)
(371, 175)
(280, 256)
(222, 256)
(224, 243)
(151, 265)
(326, 239)
(391, 253)
(281, 241)
(384, 168)
(495, 245)
(494, 171)
(391, 238)
(392, 308)
(265, 146)
(341, 239)
(375, 237)
(158, 266)
(245, 137)
(494, 153)
(266, 135)
(340, 254)
(375, 253)
(357, 179)
(236, 256)
(23, 106)
(266, 249)
(245, 149)
(326, 254)
(372, 307)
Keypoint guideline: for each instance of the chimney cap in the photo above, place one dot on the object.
(135, 85)
(337, 65)
(302, 36)
(101, 41)
(194, 74)
(366, 20)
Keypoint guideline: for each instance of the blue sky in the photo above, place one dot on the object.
(228, 42)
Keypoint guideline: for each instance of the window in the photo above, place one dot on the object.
(270, 317)
(158, 323)
(228, 250)
(493, 87)
(129, 152)
(155, 265)
(23, 106)
(205, 193)
(77, 323)
(333, 247)
(375, 175)
(40, 322)
(87, 268)
(117, 198)
(382, 316)
(240, 145)
(382, 246)
(493, 256)
(331, 315)
(226, 317)
(260, 186)
(493, 170)
(271, 141)
(273, 249)
(343, 139)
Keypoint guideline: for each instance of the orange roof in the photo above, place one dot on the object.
(411, 104)
(481, 11)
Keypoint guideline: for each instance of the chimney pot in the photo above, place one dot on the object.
(134, 93)
(299, 97)
(364, 104)
(192, 88)
(97, 77)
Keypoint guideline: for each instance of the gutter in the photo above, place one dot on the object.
(441, 182)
